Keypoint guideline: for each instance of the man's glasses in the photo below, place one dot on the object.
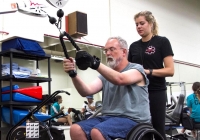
(111, 49)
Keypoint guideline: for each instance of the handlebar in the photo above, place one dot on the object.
(71, 73)
(52, 20)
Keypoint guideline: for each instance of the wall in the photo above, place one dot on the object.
(177, 20)
(183, 73)
(108, 17)
(115, 17)
(33, 27)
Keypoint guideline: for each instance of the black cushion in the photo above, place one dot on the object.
(56, 123)
(196, 125)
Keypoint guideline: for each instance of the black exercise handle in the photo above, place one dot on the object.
(70, 39)
(35, 110)
(72, 73)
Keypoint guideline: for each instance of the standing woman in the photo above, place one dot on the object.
(155, 54)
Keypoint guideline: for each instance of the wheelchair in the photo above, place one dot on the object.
(142, 131)
(47, 131)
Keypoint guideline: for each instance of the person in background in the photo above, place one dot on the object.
(88, 107)
(44, 110)
(55, 109)
(124, 88)
(155, 54)
(193, 103)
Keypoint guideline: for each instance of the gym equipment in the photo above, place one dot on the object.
(45, 132)
(35, 91)
(86, 102)
(52, 20)
(173, 119)
(57, 3)
(14, 87)
(19, 98)
(77, 115)
(20, 133)
(143, 131)
(98, 104)
(18, 43)
(81, 56)
(187, 122)
(175, 112)
(19, 114)
(98, 112)
(85, 60)
(173, 99)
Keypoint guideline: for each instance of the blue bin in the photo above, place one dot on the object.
(19, 114)
(19, 97)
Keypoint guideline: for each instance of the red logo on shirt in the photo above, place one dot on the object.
(150, 50)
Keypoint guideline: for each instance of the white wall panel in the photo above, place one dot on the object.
(188, 74)
(178, 20)
(97, 18)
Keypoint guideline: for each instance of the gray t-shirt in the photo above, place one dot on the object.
(131, 101)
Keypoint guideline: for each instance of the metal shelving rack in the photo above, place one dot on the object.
(13, 53)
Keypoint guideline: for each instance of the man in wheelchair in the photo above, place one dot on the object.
(55, 109)
(123, 84)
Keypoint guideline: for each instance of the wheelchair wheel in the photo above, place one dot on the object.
(20, 134)
(137, 130)
(142, 131)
